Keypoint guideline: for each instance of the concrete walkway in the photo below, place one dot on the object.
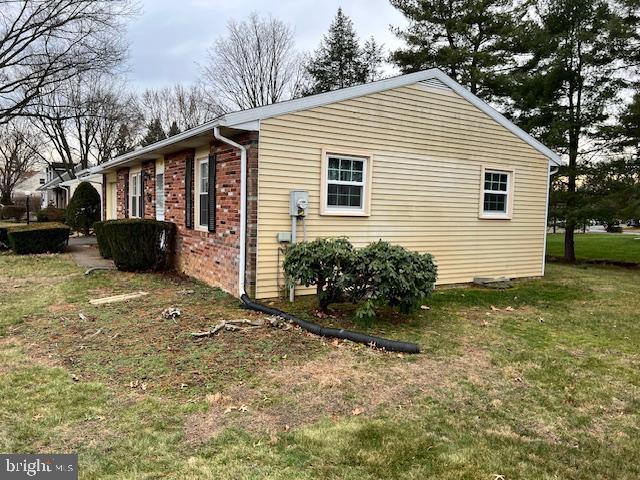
(84, 251)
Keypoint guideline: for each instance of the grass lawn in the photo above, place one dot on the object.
(540, 381)
(615, 247)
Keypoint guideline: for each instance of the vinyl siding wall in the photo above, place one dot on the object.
(428, 146)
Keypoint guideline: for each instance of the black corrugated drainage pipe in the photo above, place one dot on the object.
(376, 342)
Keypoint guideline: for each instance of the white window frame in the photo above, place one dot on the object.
(367, 168)
(198, 184)
(508, 213)
(160, 194)
(135, 175)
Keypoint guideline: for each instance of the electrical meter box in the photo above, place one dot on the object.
(299, 204)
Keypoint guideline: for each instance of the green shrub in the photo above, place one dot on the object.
(13, 212)
(379, 274)
(4, 236)
(385, 274)
(51, 214)
(83, 209)
(322, 263)
(103, 243)
(139, 244)
(50, 238)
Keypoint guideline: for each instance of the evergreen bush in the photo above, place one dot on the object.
(386, 274)
(13, 212)
(138, 244)
(51, 214)
(84, 208)
(323, 263)
(376, 275)
(103, 244)
(37, 238)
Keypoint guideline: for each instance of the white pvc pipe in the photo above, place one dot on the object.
(550, 173)
(294, 229)
(243, 207)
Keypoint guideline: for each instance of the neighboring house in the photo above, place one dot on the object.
(52, 193)
(60, 185)
(29, 186)
(416, 160)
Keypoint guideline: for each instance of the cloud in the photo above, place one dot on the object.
(170, 38)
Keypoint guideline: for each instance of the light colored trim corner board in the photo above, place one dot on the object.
(511, 180)
(365, 155)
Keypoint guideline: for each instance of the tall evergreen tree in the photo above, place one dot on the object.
(575, 53)
(155, 133)
(173, 129)
(372, 58)
(468, 39)
(123, 143)
(339, 61)
(628, 127)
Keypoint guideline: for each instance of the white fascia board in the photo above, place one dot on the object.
(250, 119)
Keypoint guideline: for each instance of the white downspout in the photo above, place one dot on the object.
(550, 173)
(243, 206)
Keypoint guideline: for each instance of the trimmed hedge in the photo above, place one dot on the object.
(4, 237)
(51, 238)
(13, 212)
(138, 244)
(103, 244)
(51, 214)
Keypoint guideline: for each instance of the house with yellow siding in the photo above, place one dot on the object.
(416, 160)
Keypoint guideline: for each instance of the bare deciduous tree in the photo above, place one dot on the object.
(255, 64)
(188, 106)
(81, 121)
(17, 141)
(46, 42)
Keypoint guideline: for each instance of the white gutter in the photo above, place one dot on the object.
(243, 207)
(552, 171)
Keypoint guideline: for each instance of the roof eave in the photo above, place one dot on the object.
(249, 119)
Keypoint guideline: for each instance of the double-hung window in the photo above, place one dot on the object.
(203, 193)
(135, 195)
(497, 187)
(345, 184)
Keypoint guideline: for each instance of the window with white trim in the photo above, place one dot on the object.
(203, 193)
(345, 183)
(135, 195)
(496, 193)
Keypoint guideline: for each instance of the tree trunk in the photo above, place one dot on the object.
(5, 198)
(569, 243)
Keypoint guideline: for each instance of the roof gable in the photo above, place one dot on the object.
(250, 119)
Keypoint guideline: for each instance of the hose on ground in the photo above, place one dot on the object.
(357, 337)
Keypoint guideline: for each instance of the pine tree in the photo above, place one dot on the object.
(628, 128)
(372, 58)
(173, 129)
(576, 51)
(123, 142)
(467, 39)
(339, 61)
(155, 133)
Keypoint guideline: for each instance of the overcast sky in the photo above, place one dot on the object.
(170, 37)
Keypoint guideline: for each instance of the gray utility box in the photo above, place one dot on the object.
(299, 204)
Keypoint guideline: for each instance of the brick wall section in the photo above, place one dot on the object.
(213, 257)
(120, 191)
(149, 189)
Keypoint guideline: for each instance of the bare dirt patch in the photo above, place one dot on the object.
(341, 383)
